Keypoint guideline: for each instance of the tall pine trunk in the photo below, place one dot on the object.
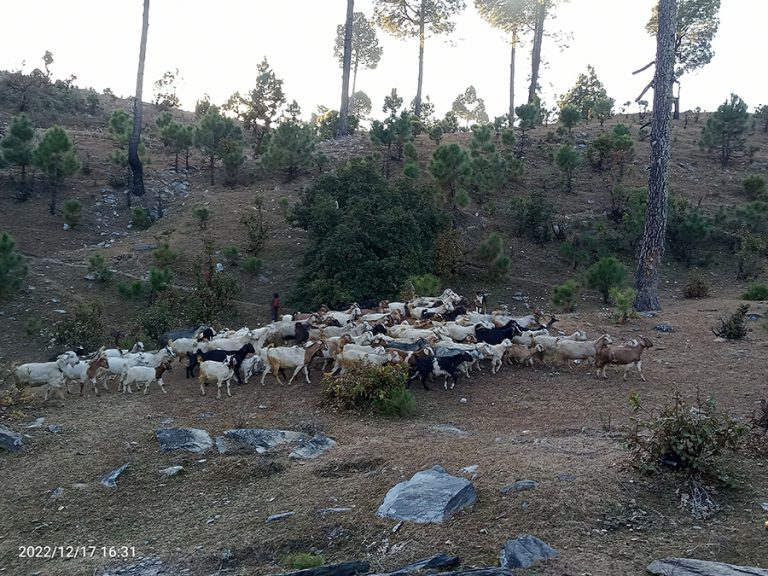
(512, 78)
(538, 37)
(422, 37)
(652, 248)
(133, 146)
(343, 127)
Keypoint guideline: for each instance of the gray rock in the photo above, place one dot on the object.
(648, 314)
(752, 316)
(54, 428)
(436, 562)
(450, 429)
(10, 440)
(519, 486)
(691, 567)
(470, 469)
(91, 276)
(172, 471)
(141, 567)
(313, 447)
(144, 247)
(764, 506)
(524, 551)
(258, 439)
(279, 516)
(663, 328)
(324, 511)
(110, 480)
(38, 423)
(344, 569)
(429, 496)
(191, 439)
(58, 492)
(566, 477)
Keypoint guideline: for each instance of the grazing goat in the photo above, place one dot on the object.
(522, 354)
(117, 352)
(144, 376)
(626, 355)
(497, 335)
(295, 357)
(219, 356)
(218, 372)
(439, 366)
(567, 350)
(46, 375)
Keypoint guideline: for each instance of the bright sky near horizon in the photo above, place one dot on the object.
(217, 45)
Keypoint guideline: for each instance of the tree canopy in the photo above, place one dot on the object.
(366, 51)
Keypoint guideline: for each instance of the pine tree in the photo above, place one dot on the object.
(725, 130)
(488, 168)
(290, 148)
(366, 52)
(569, 116)
(567, 159)
(449, 165)
(17, 146)
(587, 91)
(13, 269)
(359, 104)
(55, 156)
(212, 134)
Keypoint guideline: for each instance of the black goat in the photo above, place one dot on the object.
(497, 335)
(443, 366)
(219, 356)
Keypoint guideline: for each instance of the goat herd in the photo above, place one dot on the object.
(435, 337)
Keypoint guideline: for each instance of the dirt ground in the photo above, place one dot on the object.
(561, 428)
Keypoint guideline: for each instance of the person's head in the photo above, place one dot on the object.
(275, 295)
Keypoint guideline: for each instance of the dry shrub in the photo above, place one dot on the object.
(696, 286)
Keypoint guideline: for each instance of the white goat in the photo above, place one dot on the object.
(144, 376)
(46, 375)
(296, 358)
(218, 372)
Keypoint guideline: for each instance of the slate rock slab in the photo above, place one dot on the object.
(691, 567)
(436, 562)
(450, 429)
(190, 439)
(10, 440)
(141, 567)
(344, 569)
(663, 328)
(430, 496)
(172, 471)
(519, 486)
(110, 480)
(524, 551)
(259, 440)
(313, 447)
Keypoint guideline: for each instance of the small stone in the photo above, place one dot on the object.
(172, 471)
(110, 480)
(524, 551)
(663, 328)
(764, 506)
(91, 276)
(450, 429)
(519, 486)
(54, 428)
(566, 477)
(463, 400)
(10, 440)
(279, 516)
(57, 493)
(719, 340)
(38, 423)
(469, 469)
(324, 511)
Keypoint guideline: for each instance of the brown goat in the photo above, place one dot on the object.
(626, 355)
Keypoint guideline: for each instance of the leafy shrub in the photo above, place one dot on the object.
(696, 286)
(253, 265)
(82, 328)
(735, 327)
(13, 269)
(257, 229)
(33, 325)
(133, 291)
(534, 216)
(303, 560)
(565, 294)
(624, 301)
(72, 210)
(756, 292)
(436, 134)
(685, 438)
(373, 389)
(599, 152)
(754, 187)
(164, 255)
(159, 279)
(606, 273)
(203, 215)
(165, 313)
(285, 206)
(426, 284)
(97, 265)
(231, 255)
(449, 253)
(140, 218)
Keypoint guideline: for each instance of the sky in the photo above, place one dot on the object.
(217, 45)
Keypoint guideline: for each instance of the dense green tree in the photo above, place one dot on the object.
(695, 28)
(290, 148)
(603, 109)
(587, 91)
(56, 157)
(488, 167)
(469, 107)
(569, 116)
(652, 247)
(450, 165)
(165, 96)
(622, 150)
(726, 129)
(511, 17)
(176, 137)
(13, 269)
(359, 104)
(605, 274)
(366, 52)
(365, 236)
(528, 115)
(406, 19)
(394, 132)
(213, 136)
(327, 124)
(567, 159)
(17, 146)
(260, 109)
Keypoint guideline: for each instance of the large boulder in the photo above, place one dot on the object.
(10, 440)
(259, 440)
(429, 496)
(313, 447)
(691, 567)
(524, 551)
(191, 439)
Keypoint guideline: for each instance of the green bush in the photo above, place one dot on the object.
(231, 255)
(133, 291)
(140, 218)
(624, 301)
(82, 328)
(371, 389)
(32, 326)
(696, 286)
(72, 210)
(534, 216)
(97, 265)
(426, 284)
(159, 279)
(253, 265)
(164, 255)
(203, 215)
(565, 294)
(687, 439)
(754, 187)
(606, 273)
(756, 292)
(13, 269)
(303, 560)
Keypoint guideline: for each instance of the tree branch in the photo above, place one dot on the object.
(650, 85)
(651, 63)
